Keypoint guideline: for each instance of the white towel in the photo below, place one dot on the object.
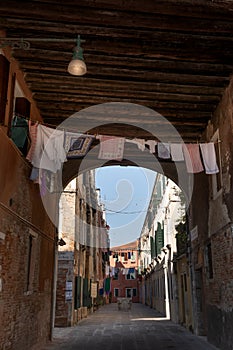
(164, 150)
(139, 142)
(151, 144)
(177, 152)
(209, 158)
(49, 152)
(111, 147)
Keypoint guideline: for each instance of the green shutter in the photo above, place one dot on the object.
(77, 297)
(85, 292)
(152, 247)
(159, 238)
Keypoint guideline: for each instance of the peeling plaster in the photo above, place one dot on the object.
(218, 215)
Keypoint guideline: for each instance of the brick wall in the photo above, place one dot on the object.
(214, 304)
(26, 256)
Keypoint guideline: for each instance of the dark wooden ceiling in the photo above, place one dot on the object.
(174, 56)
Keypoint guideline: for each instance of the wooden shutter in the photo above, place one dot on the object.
(159, 238)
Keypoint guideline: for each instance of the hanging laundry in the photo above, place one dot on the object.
(49, 152)
(164, 150)
(107, 285)
(19, 133)
(77, 145)
(177, 152)
(151, 144)
(33, 137)
(192, 158)
(35, 175)
(111, 147)
(139, 142)
(209, 158)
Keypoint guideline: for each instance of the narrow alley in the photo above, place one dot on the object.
(116, 174)
(138, 328)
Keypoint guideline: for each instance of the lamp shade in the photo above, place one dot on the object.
(77, 67)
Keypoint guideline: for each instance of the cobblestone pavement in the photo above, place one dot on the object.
(139, 328)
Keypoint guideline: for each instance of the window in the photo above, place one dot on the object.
(4, 77)
(116, 292)
(116, 272)
(131, 274)
(209, 262)
(31, 261)
(128, 293)
(134, 292)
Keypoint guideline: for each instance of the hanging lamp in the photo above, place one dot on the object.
(77, 65)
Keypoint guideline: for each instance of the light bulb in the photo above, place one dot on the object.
(77, 67)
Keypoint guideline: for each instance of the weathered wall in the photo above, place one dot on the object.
(26, 274)
(220, 289)
(65, 289)
(215, 229)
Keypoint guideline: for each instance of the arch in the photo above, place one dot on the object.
(136, 117)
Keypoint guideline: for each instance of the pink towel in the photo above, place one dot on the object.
(209, 158)
(33, 136)
(111, 147)
(192, 158)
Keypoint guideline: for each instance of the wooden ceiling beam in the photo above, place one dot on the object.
(156, 45)
(123, 93)
(131, 74)
(40, 55)
(68, 12)
(171, 115)
(93, 100)
(77, 93)
(202, 26)
(46, 79)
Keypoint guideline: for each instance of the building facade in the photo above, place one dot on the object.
(27, 235)
(124, 272)
(83, 260)
(163, 261)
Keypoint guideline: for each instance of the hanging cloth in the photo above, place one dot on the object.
(49, 152)
(177, 152)
(151, 144)
(33, 136)
(19, 133)
(164, 150)
(209, 158)
(192, 158)
(111, 147)
(139, 142)
(77, 145)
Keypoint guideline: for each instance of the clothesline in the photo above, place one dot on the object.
(50, 148)
(96, 135)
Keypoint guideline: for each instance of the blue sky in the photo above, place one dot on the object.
(126, 192)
